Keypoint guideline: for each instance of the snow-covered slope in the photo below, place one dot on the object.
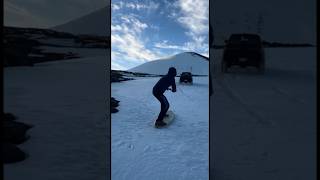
(187, 61)
(264, 126)
(178, 152)
(95, 23)
(67, 106)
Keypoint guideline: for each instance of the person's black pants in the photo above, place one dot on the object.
(164, 105)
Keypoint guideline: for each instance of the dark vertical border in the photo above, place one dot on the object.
(210, 88)
(109, 95)
(2, 85)
(317, 81)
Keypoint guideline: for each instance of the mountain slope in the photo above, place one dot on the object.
(187, 61)
(95, 23)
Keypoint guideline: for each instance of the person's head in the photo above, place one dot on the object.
(172, 71)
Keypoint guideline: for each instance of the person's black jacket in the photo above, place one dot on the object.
(165, 82)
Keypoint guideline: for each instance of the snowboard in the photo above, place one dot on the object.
(167, 119)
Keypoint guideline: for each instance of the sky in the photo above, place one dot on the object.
(145, 30)
(292, 21)
(47, 13)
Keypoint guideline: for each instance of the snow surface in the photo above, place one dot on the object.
(66, 103)
(264, 126)
(95, 23)
(142, 152)
(182, 62)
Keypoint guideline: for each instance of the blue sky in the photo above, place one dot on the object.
(145, 30)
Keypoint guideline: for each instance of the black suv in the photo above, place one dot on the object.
(243, 50)
(186, 77)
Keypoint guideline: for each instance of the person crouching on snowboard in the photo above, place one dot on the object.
(161, 86)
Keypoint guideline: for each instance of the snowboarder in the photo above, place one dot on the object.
(161, 86)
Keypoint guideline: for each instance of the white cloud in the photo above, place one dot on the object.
(198, 41)
(117, 66)
(165, 45)
(198, 44)
(131, 46)
(127, 43)
(115, 7)
(130, 23)
(194, 15)
(154, 27)
(135, 6)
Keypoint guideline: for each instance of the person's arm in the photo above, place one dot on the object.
(174, 88)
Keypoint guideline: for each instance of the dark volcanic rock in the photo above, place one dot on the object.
(15, 132)
(9, 117)
(114, 110)
(11, 153)
(113, 99)
(114, 103)
(24, 46)
(117, 76)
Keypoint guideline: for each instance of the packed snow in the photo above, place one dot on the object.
(142, 152)
(187, 61)
(66, 103)
(264, 126)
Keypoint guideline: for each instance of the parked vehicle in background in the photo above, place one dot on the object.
(186, 77)
(243, 50)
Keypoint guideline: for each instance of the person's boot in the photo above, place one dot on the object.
(159, 124)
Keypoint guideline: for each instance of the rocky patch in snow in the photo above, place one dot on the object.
(114, 105)
(118, 76)
(23, 46)
(11, 153)
(14, 133)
